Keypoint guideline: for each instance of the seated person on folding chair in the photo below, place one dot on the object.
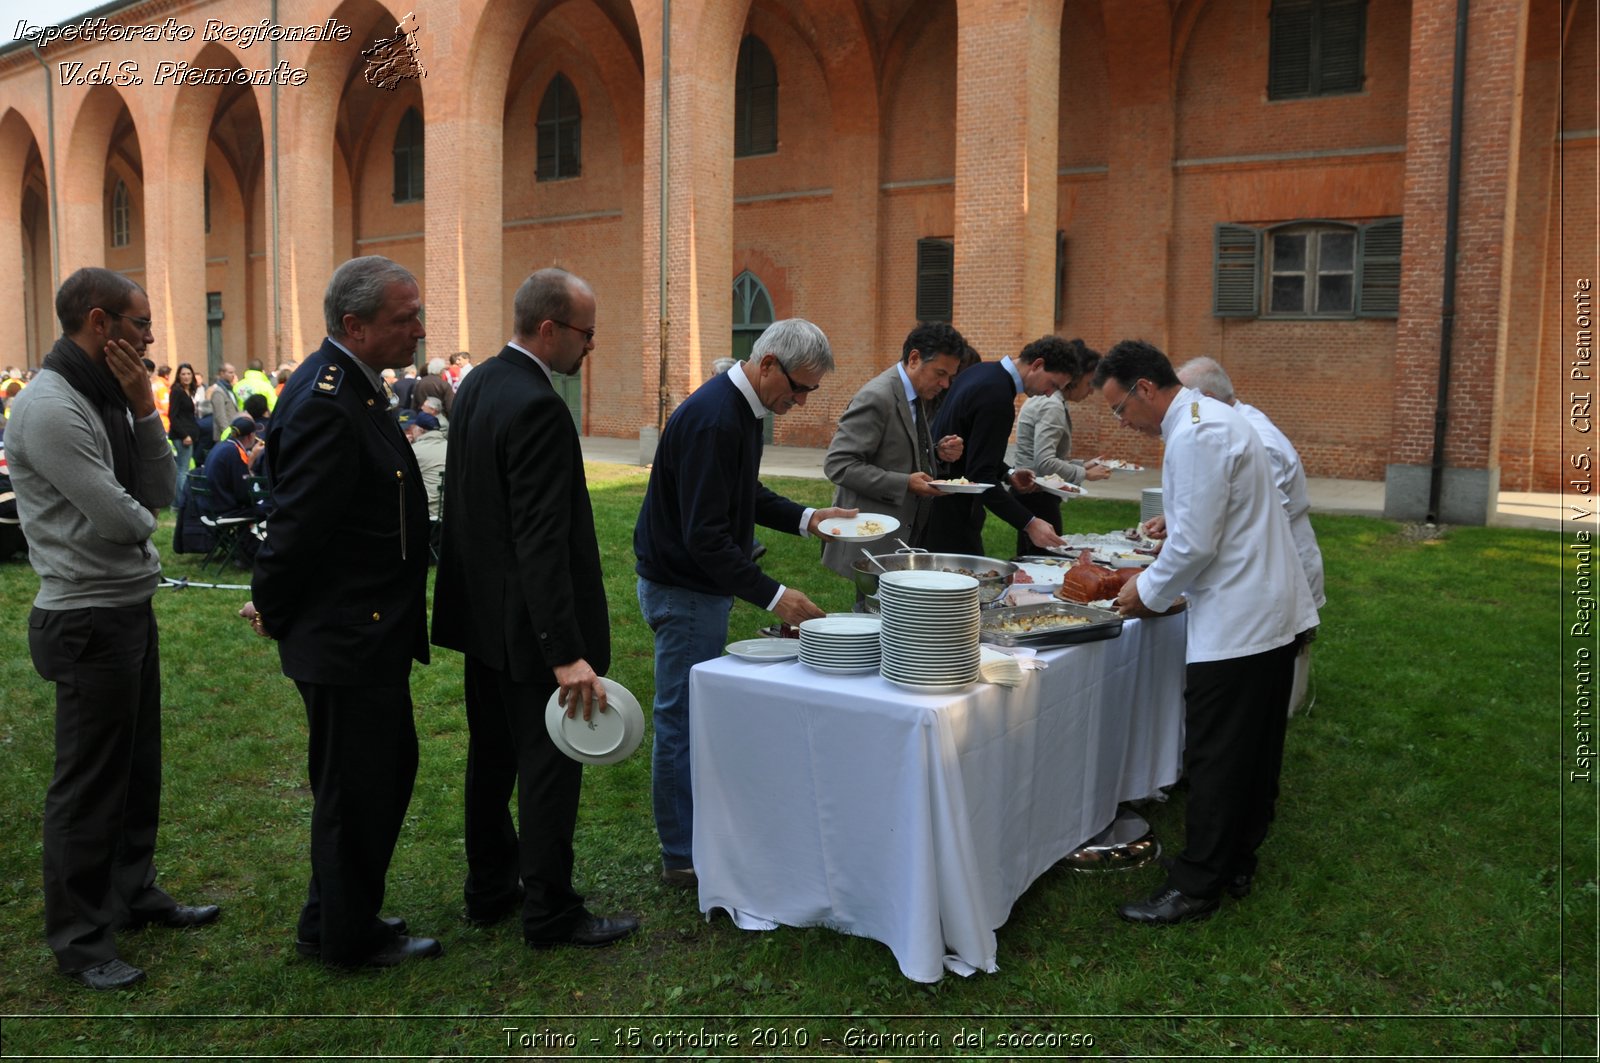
(228, 470)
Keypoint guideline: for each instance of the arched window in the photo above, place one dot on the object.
(752, 313)
(560, 128)
(121, 216)
(408, 157)
(755, 100)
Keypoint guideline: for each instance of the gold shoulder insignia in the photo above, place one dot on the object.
(1194, 413)
(329, 379)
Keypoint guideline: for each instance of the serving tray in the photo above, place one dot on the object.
(1103, 624)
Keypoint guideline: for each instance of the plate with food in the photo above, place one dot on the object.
(1055, 485)
(1118, 465)
(862, 528)
(1128, 559)
(961, 486)
(765, 651)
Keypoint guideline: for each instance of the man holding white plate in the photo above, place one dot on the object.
(694, 539)
(883, 456)
(519, 591)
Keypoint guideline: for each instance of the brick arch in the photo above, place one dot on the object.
(19, 151)
(927, 158)
(179, 271)
(773, 277)
(82, 177)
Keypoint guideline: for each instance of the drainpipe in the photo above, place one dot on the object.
(1447, 310)
(661, 267)
(277, 263)
(50, 129)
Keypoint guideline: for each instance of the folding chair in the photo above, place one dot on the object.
(226, 547)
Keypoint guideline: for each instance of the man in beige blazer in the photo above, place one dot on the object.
(883, 455)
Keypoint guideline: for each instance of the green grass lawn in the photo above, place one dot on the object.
(1428, 890)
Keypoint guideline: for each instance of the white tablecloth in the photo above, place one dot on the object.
(918, 820)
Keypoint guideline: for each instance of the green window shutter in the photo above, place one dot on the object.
(1236, 271)
(1379, 292)
(936, 261)
(1339, 68)
(1289, 49)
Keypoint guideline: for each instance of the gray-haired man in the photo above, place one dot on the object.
(694, 539)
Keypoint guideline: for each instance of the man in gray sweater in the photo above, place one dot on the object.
(92, 467)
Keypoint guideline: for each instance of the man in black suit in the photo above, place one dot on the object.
(340, 583)
(519, 592)
(980, 408)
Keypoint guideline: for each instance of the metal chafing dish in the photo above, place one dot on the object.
(1102, 624)
(990, 587)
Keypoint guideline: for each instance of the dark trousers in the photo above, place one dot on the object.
(508, 746)
(1041, 504)
(102, 808)
(955, 525)
(362, 757)
(1234, 723)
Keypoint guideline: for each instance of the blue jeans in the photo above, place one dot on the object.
(690, 627)
(185, 452)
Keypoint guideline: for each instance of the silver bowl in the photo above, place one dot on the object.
(865, 572)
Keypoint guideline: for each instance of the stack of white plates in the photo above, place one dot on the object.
(930, 629)
(840, 644)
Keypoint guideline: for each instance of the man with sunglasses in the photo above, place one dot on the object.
(92, 468)
(1230, 552)
(694, 539)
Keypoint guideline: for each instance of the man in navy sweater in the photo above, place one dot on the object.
(694, 539)
(980, 408)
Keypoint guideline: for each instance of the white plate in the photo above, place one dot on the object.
(932, 688)
(948, 488)
(848, 529)
(843, 669)
(1060, 488)
(1128, 559)
(765, 651)
(604, 738)
(855, 624)
(923, 580)
(1118, 465)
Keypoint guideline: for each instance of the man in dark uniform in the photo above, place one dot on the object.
(520, 593)
(340, 583)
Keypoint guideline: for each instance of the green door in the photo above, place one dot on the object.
(570, 388)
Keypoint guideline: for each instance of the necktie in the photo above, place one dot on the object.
(924, 439)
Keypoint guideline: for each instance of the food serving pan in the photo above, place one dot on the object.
(993, 575)
(1103, 624)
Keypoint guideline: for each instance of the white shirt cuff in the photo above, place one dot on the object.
(805, 522)
(776, 597)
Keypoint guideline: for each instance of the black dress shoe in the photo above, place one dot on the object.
(1168, 906)
(1239, 886)
(591, 932)
(313, 949)
(183, 917)
(402, 948)
(113, 974)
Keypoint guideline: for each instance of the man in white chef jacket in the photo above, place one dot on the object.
(1230, 553)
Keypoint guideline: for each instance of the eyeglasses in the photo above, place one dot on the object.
(588, 333)
(1116, 411)
(798, 389)
(140, 323)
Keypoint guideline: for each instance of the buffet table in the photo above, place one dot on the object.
(919, 819)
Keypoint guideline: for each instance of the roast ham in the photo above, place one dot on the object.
(1086, 581)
